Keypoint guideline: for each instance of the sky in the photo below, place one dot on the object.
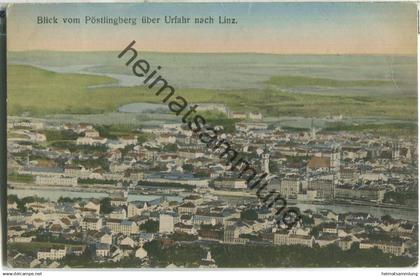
(280, 28)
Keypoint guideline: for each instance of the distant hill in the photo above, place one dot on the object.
(378, 75)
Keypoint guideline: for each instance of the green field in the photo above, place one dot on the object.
(393, 129)
(300, 81)
(39, 92)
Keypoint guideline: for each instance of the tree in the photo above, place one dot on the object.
(143, 137)
(106, 207)
(104, 131)
(306, 220)
(249, 214)
(150, 226)
(66, 199)
(274, 167)
(399, 197)
(188, 167)
(55, 135)
(170, 148)
(179, 236)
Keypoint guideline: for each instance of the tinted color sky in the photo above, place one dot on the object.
(299, 28)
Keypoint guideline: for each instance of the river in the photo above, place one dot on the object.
(53, 195)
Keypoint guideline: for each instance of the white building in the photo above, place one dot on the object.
(91, 141)
(136, 208)
(126, 227)
(56, 180)
(52, 254)
(167, 222)
(287, 239)
(290, 187)
(230, 183)
(92, 224)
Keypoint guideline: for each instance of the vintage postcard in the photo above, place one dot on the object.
(212, 135)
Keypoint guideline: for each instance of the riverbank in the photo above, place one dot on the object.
(337, 207)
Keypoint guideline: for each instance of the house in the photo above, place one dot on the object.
(231, 235)
(126, 227)
(187, 208)
(103, 250)
(94, 205)
(118, 201)
(23, 239)
(52, 254)
(264, 214)
(396, 248)
(136, 208)
(406, 228)
(184, 228)
(258, 225)
(128, 241)
(105, 238)
(326, 239)
(230, 184)
(38, 223)
(91, 141)
(56, 181)
(74, 219)
(35, 263)
(215, 216)
(180, 178)
(91, 223)
(256, 116)
(238, 115)
(282, 238)
(80, 128)
(139, 220)
(56, 228)
(330, 228)
(290, 187)
(126, 250)
(332, 216)
(323, 185)
(389, 225)
(363, 192)
(302, 231)
(76, 171)
(140, 253)
(166, 139)
(208, 262)
(345, 243)
(144, 237)
(92, 133)
(64, 222)
(85, 212)
(196, 199)
(37, 206)
(204, 218)
(118, 213)
(77, 250)
(210, 234)
(11, 204)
